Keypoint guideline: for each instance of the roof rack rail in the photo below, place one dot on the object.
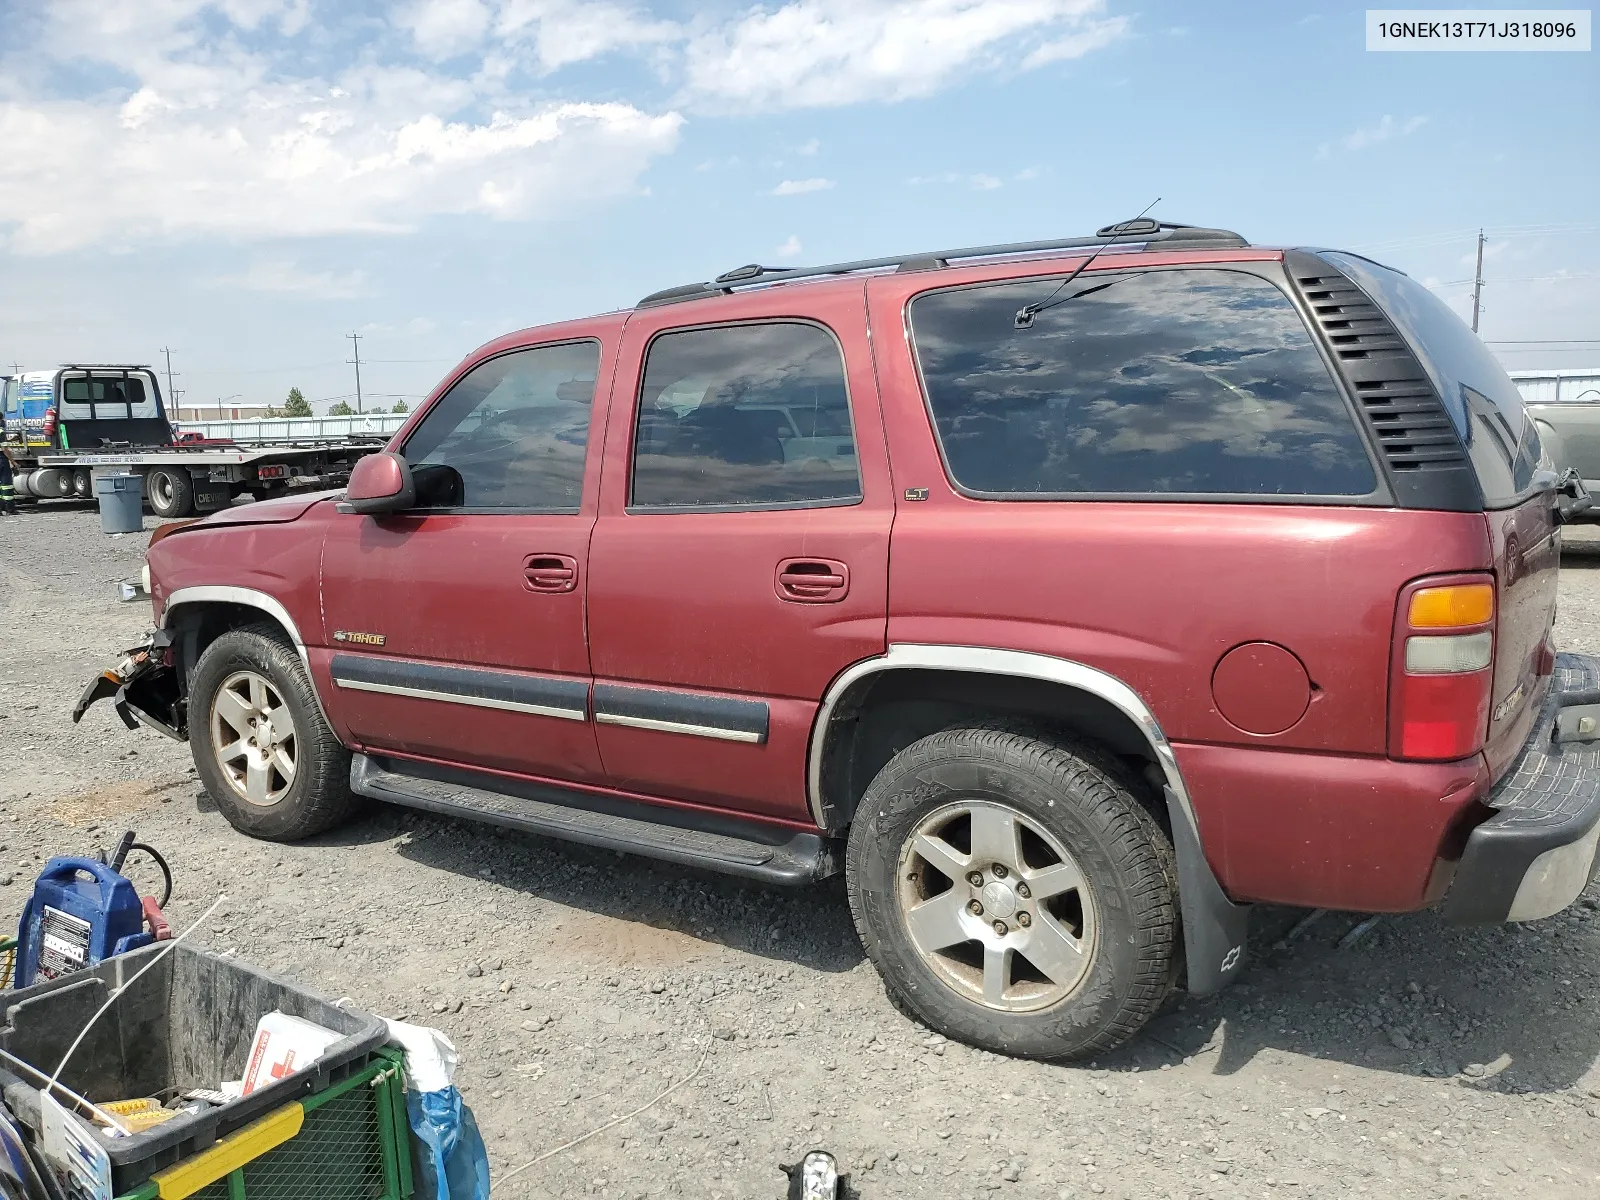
(1154, 234)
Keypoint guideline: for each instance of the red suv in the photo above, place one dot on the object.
(1069, 597)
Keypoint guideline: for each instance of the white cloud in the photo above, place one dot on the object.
(1095, 35)
(798, 187)
(1385, 129)
(289, 279)
(810, 53)
(809, 148)
(790, 248)
(978, 183)
(444, 28)
(570, 31)
(215, 139)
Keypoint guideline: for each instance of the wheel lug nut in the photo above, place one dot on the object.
(1024, 919)
(1000, 928)
(975, 908)
(999, 870)
(975, 879)
(1023, 891)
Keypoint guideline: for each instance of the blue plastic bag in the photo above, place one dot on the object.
(447, 1153)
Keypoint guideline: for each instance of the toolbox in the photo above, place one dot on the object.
(337, 1128)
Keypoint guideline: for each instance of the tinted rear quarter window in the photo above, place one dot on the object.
(1484, 405)
(1176, 382)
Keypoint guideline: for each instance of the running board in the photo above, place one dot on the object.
(748, 849)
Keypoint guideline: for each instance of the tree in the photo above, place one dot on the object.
(296, 405)
(272, 412)
(400, 406)
(342, 409)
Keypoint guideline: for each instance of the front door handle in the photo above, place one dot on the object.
(550, 573)
(812, 580)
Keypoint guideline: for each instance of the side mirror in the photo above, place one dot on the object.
(380, 483)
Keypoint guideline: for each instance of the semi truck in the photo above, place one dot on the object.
(64, 424)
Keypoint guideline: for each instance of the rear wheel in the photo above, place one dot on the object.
(260, 743)
(170, 491)
(1014, 893)
(82, 483)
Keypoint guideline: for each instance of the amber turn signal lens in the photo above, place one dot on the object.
(1452, 607)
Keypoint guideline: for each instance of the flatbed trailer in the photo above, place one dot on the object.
(65, 425)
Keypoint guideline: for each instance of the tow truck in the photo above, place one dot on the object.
(65, 423)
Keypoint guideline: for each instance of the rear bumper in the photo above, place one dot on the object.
(1536, 854)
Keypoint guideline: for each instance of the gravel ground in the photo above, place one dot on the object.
(579, 986)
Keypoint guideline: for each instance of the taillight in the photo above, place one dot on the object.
(1443, 669)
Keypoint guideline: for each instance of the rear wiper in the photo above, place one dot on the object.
(1026, 314)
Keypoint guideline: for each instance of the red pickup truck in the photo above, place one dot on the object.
(1069, 597)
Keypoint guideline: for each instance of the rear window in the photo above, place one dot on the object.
(1484, 405)
(1189, 382)
(104, 396)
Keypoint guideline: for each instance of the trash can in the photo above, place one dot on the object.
(121, 503)
(190, 1023)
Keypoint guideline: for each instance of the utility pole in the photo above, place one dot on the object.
(172, 393)
(355, 340)
(1477, 283)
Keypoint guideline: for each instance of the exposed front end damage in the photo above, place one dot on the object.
(145, 687)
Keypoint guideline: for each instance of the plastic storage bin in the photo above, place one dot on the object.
(188, 1023)
(121, 503)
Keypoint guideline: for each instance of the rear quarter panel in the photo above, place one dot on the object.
(1155, 594)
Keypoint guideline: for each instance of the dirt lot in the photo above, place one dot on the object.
(1424, 1061)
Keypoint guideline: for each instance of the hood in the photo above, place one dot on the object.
(277, 511)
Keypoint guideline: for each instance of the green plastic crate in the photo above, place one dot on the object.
(353, 1144)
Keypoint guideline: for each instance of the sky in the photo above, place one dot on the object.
(247, 182)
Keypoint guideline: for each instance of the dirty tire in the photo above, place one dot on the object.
(1086, 802)
(170, 492)
(83, 484)
(319, 796)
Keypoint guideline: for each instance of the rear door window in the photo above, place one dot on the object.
(744, 416)
(1178, 382)
(1484, 405)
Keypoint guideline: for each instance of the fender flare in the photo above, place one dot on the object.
(248, 598)
(1215, 930)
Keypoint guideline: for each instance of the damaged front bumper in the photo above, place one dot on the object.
(145, 688)
(1537, 853)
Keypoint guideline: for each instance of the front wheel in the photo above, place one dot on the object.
(1014, 893)
(261, 745)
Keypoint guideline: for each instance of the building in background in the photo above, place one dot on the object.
(230, 410)
(1569, 385)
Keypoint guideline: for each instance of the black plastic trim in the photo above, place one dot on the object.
(566, 695)
(1421, 454)
(749, 717)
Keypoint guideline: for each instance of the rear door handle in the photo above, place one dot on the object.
(812, 580)
(550, 573)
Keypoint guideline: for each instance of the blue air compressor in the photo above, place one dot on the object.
(82, 911)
